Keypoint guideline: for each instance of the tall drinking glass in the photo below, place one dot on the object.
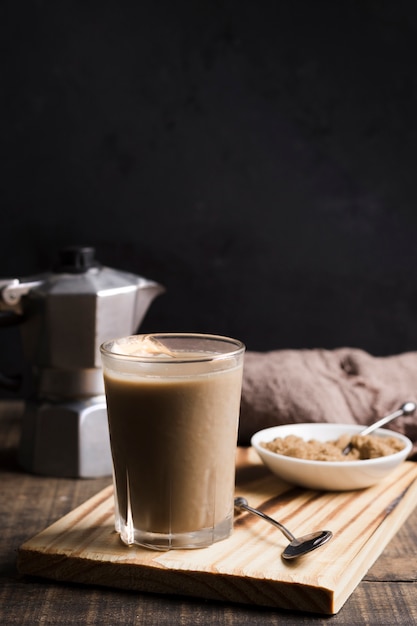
(173, 405)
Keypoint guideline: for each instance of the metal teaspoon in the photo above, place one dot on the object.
(297, 546)
(405, 409)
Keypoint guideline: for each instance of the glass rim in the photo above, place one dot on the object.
(239, 348)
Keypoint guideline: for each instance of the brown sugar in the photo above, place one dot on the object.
(363, 447)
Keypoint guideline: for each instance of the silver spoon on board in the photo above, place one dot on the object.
(297, 546)
(405, 409)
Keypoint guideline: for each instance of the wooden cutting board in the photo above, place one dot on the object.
(83, 547)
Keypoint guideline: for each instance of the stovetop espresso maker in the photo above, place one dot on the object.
(64, 316)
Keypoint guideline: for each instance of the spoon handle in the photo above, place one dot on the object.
(405, 409)
(241, 503)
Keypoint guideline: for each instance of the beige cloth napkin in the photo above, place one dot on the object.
(345, 385)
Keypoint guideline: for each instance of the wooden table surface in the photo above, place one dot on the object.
(28, 504)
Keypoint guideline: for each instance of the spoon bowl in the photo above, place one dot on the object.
(298, 546)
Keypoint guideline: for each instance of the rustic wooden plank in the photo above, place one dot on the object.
(30, 601)
(83, 547)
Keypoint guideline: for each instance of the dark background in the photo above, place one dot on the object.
(256, 158)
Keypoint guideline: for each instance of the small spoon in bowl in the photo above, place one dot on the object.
(405, 409)
(297, 546)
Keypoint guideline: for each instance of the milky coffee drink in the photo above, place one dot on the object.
(173, 404)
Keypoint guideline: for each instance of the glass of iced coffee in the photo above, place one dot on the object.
(173, 405)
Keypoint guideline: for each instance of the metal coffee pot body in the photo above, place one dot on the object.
(64, 316)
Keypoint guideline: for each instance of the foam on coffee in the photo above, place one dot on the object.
(142, 345)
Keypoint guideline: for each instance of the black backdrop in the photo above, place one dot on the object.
(256, 158)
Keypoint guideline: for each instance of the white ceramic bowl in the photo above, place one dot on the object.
(327, 475)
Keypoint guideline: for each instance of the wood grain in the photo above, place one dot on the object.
(246, 568)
